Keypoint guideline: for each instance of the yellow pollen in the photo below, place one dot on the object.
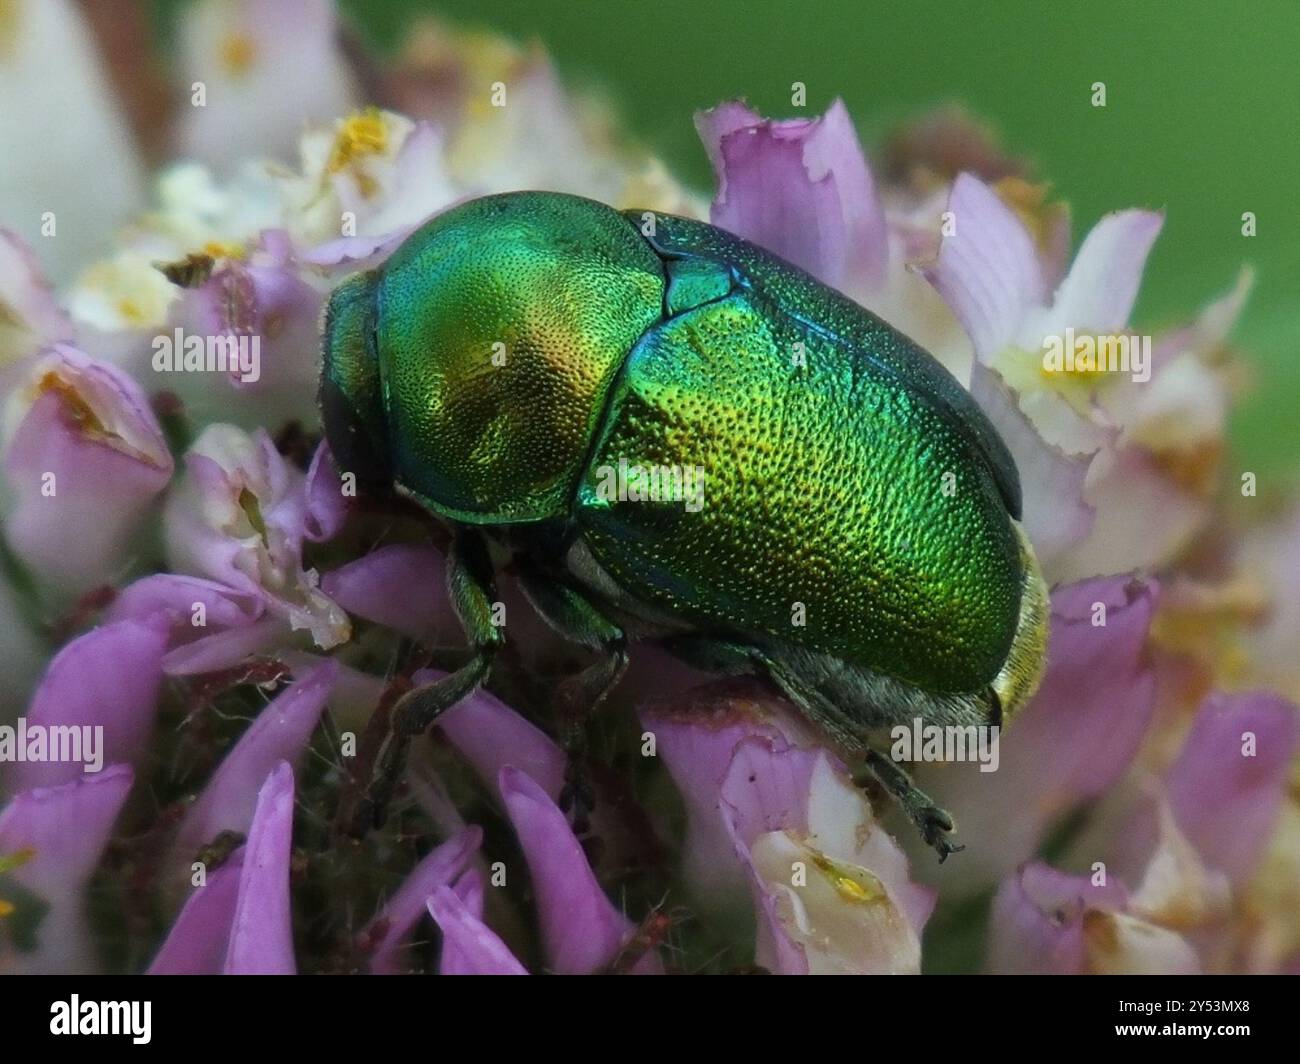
(237, 52)
(360, 135)
(131, 311)
(6, 908)
(849, 882)
(10, 861)
(221, 249)
(10, 18)
(74, 405)
(1073, 369)
(1029, 201)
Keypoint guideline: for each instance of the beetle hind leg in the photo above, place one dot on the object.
(935, 824)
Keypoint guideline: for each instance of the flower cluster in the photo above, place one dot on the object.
(188, 574)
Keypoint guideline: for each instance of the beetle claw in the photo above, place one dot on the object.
(936, 826)
(577, 797)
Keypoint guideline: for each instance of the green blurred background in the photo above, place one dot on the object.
(1202, 119)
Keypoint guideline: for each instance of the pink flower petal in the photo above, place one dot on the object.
(800, 188)
(84, 463)
(470, 947)
(398, 916)
(228, 630)
(697, 735)
(261, 933)
(108, 678)
(401, 586)
(272, 314)
(1228, 784)
(1036, 927)
(1055, 516)
(1071, 743)
(34, 318)
(200, 935)
(987, 270)
(1099, 291)
(279, 733)
(1143, 516)
(581, 930)
(327, 506)
(491, 737)
(66, 829)
(356, 252)
(271, 67)
(239, 516)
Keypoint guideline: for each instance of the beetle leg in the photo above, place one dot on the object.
(469, 583)
(934, 823)
(577, 619)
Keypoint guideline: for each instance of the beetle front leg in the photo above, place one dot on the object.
(577, 619)
(469, 583)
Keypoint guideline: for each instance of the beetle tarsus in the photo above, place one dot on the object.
(935, 824)
(577, 796)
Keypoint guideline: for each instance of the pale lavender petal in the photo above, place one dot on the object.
(471, 891)
(239, 516)
(766, 787)
(84, 463)
(261, 933)
(987, 270)
(210, 626)
(402, 586)
(475, 948)
(1076, 737)
(800, 188)
(697, 735)
(327, 506)
(1096, 699)
(1144, 516)
(52, 126)
(356, 252)
(265, 308)
(581, 930)
(1099, 291)
(774, 947)
(108, 678)
(30, 313)
(270, 67)
(279, 733)
(200, 935)
(438, 869)
(1056, 517)
(59, 862)
(1228, 784)
(1037, 922)
(225, 650)
(763, 797)
(852, 909)
(178, 600)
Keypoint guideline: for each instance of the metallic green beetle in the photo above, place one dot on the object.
(678, 436)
